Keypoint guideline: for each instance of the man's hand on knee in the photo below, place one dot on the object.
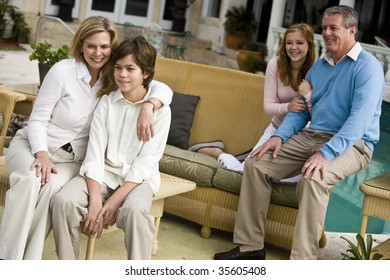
(316, 163)
(274, 144)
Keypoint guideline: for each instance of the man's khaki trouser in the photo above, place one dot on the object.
(312, 194)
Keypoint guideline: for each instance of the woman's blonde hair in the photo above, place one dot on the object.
(91, 26)
(284, 63)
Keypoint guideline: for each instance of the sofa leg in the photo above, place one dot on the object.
(205, 232)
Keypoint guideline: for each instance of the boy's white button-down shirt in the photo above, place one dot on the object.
(114, 153)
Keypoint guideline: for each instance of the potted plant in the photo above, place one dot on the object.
(254, 65)
(239, 25)
(362, 251)
(251, 56)
(47, 56)
(12, 23)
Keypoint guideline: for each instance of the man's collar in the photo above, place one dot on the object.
(353, 53)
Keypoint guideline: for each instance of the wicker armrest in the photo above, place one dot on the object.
(8, 99)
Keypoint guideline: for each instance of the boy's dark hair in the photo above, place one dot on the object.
(143, 52)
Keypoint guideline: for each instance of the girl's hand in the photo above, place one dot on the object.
(304, 88)
(296, 105)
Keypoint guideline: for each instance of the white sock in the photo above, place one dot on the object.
(228, 161)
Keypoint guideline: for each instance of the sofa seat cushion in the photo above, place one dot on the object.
(195, 167)
(228, 180)
(205, 171)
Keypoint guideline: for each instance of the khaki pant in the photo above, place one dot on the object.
(70, 207)
(313, 194)
(26, 220)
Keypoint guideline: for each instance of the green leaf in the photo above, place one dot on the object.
(360, 240)
(369, 244)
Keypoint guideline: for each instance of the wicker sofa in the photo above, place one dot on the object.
(230, 109)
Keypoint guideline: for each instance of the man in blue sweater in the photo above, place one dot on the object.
(347, 91)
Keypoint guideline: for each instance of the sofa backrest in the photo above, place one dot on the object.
(231, 102)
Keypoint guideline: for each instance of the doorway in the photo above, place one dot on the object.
(262, 10)
(52, 8)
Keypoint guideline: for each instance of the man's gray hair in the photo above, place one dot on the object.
(350, 16)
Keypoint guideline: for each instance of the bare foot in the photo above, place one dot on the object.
(211, 151)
